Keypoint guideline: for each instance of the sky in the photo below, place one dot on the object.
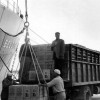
(78, 21)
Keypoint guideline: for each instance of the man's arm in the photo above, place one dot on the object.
(51, 83)
(52, 45)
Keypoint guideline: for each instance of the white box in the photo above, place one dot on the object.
(12, 91)
(19, 91)
(34, 91)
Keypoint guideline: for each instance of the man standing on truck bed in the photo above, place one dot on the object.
(58, 48)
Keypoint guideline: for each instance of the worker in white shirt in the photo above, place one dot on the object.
(58, 86)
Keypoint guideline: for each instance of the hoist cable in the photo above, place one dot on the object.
(20, 56)
(34, 41)
(38, 64)
(23, 63)
(27, 25)
(34, 64)
(39, 36)
(26, 15)
(41, 72)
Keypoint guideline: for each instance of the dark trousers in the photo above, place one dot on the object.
(58, 64)
(4, 93)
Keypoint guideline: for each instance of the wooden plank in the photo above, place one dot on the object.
(89, 73)
(84, 73)
(85, 83)
(74, 76)
(96, 73)
(99, 71)
(79, 73)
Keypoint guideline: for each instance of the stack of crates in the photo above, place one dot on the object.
(28, 92)
(44, 56)
(15, 92)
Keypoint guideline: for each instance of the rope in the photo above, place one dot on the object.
(7, 63)
(23, 63)
(6, 66)
(41, 72)
(16, 34)
(39, 36)
(38, 64)
(34, 65)
(34, 41)
(26, 14)
(14, 58)
(20, 54)
(27, 25)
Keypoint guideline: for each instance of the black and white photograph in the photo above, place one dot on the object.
(49, 50)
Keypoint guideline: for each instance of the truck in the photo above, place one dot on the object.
(80, 71)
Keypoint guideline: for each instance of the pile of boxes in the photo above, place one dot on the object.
(28, 92)
(44, 56)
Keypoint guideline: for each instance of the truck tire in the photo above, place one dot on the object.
(86, 92)
(83, 94)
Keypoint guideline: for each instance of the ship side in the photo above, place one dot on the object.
(11, 24)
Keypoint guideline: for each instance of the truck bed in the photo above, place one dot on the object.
(81, 65)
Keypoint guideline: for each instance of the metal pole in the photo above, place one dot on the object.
(26, 10)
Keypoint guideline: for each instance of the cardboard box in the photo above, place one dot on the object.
(46, 73)
(12, 91)
(26, 92)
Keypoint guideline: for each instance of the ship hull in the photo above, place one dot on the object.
(10, 26)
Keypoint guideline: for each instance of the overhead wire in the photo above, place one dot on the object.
(34, 41)
(39, 36)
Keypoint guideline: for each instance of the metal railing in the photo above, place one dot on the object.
(10, 4)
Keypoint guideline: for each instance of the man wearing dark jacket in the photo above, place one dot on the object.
(5, 86)
(58, 48)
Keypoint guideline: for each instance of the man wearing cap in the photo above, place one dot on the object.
(58, 86)
(5, 86)
(58, 48)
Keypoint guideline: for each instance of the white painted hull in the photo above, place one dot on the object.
(10, 24)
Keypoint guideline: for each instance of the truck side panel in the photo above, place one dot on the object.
(84, 65)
